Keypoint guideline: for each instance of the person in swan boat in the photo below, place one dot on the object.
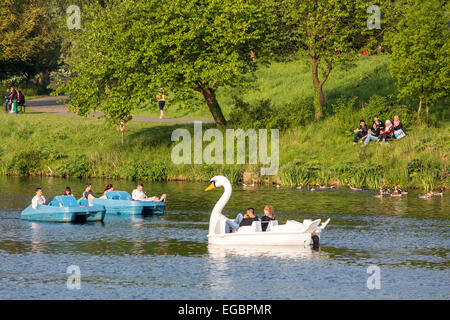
(38, 198)
(241, 220)
(268, 215)
(139, 195)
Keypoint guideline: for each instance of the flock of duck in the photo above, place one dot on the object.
(395, 192)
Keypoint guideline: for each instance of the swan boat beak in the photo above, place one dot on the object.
(211, 186)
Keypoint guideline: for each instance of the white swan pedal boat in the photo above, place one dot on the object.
(292, 233)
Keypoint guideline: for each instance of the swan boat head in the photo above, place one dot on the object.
(218, 220)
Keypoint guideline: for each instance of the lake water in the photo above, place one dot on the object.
(168, 257)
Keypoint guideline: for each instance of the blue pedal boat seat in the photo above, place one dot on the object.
(119, 203)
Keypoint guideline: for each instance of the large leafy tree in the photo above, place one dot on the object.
(329, 32)
(29, 43)
(126, 51)
(420, 61)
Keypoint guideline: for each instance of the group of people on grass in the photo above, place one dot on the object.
(379, 131)
(138, 194)
(14, 100)
(248, 218)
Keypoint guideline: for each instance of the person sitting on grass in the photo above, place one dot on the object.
(139, 195)
(38, 198)
(241, 220)
(386, 134)
(361, 132)
(268, 216)
(377, 126)
(397, 127)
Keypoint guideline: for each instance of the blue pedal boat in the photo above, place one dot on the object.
(121, 203)
(64, 209)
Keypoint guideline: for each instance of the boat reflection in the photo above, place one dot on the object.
(284, 252)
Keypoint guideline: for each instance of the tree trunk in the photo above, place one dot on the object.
(319, 98)
(210, 97)
(418, 111)
(426, 112)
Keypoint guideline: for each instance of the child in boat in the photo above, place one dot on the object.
(38, 198)
(241, 220)
(138, 194)
(268, 216)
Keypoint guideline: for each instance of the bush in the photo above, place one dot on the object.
(262, 114)
(26, 162)
(78, 167)
(140, 170)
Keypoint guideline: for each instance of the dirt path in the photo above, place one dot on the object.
(50, 105)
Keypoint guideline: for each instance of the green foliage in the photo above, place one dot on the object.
(26, 162)
(321, 27)
(144, 171)
(262, 114)
(29, 43)
(189, 46)
(296, 173)
(421, 51)
(77, 167)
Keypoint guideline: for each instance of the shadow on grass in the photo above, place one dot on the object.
(157, 136)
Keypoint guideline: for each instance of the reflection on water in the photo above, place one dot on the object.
(168, 257)
(223, 252)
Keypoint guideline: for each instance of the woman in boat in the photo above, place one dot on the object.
(67, 191)
(108, 188)
(268, 216)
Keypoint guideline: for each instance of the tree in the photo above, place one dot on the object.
(128, 50)
(420, 61)
(321, 28)
(28, 40)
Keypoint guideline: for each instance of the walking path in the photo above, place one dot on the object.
(50, 105)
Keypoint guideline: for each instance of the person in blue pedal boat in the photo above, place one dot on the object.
(138, 194)
(38, 198)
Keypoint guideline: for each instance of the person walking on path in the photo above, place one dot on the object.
(161, 97)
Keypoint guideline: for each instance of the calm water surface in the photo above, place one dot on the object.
(169, 258)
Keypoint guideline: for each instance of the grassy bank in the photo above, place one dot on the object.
(319, 152)
(55, 145)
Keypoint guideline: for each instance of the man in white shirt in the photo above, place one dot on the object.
(38, 198)
(139, 195)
